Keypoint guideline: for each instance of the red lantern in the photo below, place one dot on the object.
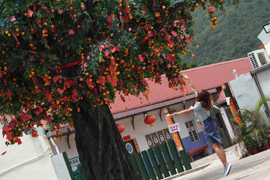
(121, 128)
(150, 119)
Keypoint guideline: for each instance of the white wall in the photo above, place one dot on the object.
(264, 81)
(245, 91)
(60, 167)
(63, 146)
(142, 129)
(267, 48)
(31, 160)
(227, 122)
(265, 39)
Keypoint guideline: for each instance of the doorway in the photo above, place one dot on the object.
(223, 130)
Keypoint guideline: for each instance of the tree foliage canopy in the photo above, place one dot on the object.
(56, 52)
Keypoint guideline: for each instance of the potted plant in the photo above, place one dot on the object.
(266, 144)
(242, 137)
(251, 129)
(254, 146)
(261, 145)
(248, 145)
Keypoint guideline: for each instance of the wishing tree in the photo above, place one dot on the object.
(62, 61)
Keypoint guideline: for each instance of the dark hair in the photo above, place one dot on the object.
(205, 98)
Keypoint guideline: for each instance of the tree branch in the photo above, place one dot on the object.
(177, 5)
(17, 62)
(17, 59)
(52, 48)
(90, 4)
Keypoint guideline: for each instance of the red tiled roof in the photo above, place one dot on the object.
(219, 97)
(205, 77)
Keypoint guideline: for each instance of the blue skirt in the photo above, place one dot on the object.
(210, 131)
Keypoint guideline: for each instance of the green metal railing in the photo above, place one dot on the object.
(183, 152)
(154, 164)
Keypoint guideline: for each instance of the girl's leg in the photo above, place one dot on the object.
(220, 152)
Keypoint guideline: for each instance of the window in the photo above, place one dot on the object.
(157, 138)
(192, 131)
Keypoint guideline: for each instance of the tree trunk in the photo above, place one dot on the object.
(102, 153)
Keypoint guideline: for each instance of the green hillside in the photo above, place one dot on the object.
(235, 35)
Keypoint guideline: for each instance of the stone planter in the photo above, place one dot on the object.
(267, 146)
(260, 148)
(255, 150)
(250, 151)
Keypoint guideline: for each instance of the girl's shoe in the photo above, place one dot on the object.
(227, 169)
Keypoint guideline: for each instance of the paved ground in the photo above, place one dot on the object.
(255, 167)
(213, 160)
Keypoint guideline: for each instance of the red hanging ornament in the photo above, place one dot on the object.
(34, 133)
(150, 119)
(121, 128)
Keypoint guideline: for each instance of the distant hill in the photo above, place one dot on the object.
(235, 35)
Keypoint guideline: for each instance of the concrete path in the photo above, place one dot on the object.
(207, 162)
(255, 167)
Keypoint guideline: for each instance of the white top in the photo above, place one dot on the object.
(200, 113)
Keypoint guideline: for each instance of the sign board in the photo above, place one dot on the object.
(136, 145)
(129, 148)
(132, 146)
(174, 134)
(125, 138)
(174, 128)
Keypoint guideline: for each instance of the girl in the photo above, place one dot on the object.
(202, 109)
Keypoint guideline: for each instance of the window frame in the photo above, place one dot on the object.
(164, 136)
(195, 130)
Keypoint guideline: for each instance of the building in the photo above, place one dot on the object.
(209, 77)
(255, 84)
(38, 156)
(138, 136)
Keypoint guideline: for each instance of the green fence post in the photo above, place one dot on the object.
(176, 157)
(68, 166)
(161, 161)
(149, 166)
(79, 177)
(142, 167)
(166, 153)
(154, 161)
(133, 159)
(183, 152)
